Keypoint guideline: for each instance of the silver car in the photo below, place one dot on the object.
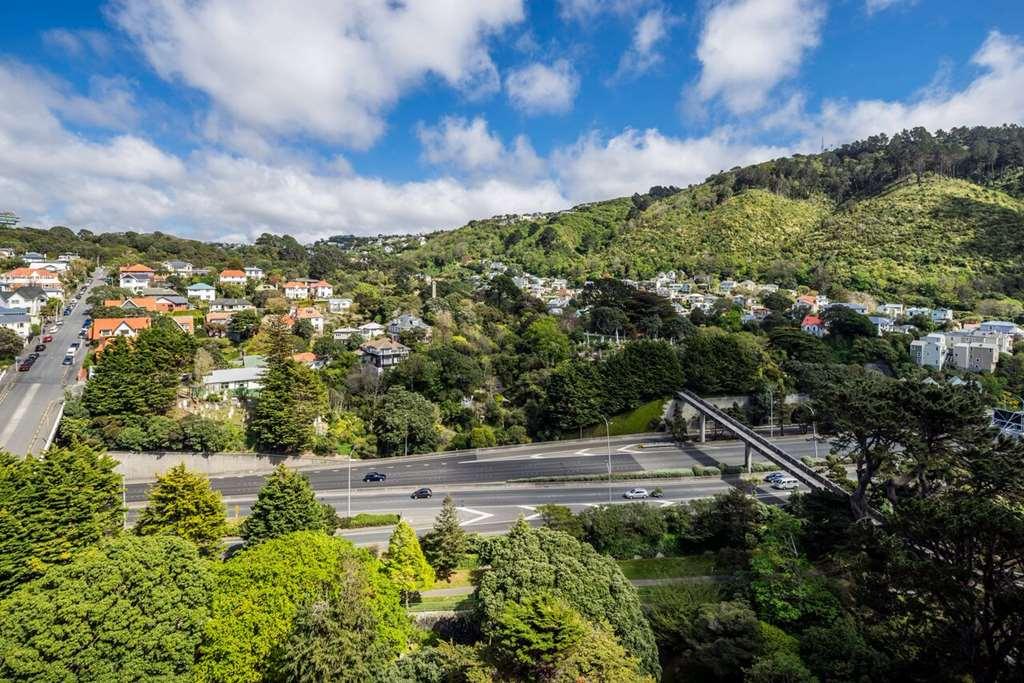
(636, 494)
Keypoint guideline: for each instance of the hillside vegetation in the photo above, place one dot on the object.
(936, 218)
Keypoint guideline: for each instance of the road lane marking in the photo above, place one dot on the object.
(530, 508)
(481, 516)
(19, 413)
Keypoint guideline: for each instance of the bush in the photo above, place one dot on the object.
(699, 471)
(367, 519)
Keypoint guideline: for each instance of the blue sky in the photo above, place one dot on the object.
(222, 119)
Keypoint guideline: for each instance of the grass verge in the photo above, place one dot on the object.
(667, 567)
(449, 603)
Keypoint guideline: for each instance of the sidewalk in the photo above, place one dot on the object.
(639, 583)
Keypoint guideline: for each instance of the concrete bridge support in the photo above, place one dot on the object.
(703, 428)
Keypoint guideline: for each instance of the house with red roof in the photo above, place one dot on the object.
(106, 328)
(321, 289)
(812, 324)
(135, 277)
(232, 277)
(296, 290)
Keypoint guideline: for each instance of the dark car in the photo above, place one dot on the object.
(40, 347)
(86, 323)
(422, 493)
(75, 345)
(67, 311)
(68, 360)
(25, 366)
(31, 358)
(375, 476)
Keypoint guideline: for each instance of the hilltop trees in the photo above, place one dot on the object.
(183, 504)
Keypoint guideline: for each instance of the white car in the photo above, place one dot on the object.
(787, 484)
(636, 494)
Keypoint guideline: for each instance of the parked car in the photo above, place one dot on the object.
(375, 476)
(422, 493)
(25, 366)
(47, 339)
(775, 476)
(68, 360)
(76, 345)
(786, 484)
(67, 311)
(636, 494)
(85, 325)
(32, 357)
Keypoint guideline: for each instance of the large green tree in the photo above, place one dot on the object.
(181, 503)
(525, 562)
(445, 545)
(405, 422)
(285, 503)
(10, 345)
(292, 397)
(133, 609)
(405, 564)
(53, 506)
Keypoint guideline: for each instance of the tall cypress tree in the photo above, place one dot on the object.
(183, 504)
(286, 503)
(404, 563)
(445, 545)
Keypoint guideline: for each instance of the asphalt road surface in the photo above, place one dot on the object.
(30, 401)
(478, 483)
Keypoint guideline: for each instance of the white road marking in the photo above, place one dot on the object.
(532, 509)
(481, 516)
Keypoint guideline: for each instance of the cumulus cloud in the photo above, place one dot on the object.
(872, 6)
(466, 144)
(597, 168)
(330, 70)
(747, 47)
(538, 88)
(78, 43)
(649, 32)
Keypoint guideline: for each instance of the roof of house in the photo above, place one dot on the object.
(811, 321)
(383, 344)
(178, 264)
(219, 316)
(294, 284)
(186, 322)
(27, 292)
(147, 303)
(30, 272)
(158, 291)
(232, 273)
(371, 326)
(234, 375)
(136, 268)
(200, 285)
(807, 299)
(19, 318)
(308, 312)
(304, 357)
(101, 325)
(321, 283)
(231, 302)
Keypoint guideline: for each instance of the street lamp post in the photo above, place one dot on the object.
(608, 444)
(349, 477)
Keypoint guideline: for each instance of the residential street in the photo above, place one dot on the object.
(30, 401)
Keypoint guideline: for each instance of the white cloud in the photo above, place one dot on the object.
(649, 32)
(329, 69)
(994, 97)
(538, 88)
(595, 168)
(747, 47)
(466, 144)
(872, 6)
(78, 43)
(585, 10)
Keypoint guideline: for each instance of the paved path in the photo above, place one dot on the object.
(639, 583)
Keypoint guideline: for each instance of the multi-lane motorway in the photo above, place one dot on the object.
(30, 401)
(479, 483)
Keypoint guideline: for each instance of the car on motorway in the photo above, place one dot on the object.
(375, 476)
(68, 360)
(785, 484)
(775, 476)
(47, 339)
(422, 493)
(636, 494)
(40, 347)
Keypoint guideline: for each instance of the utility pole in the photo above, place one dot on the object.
(349, 477)
(608, 444)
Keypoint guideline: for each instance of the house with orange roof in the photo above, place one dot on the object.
(321, 289)
(814, 325)
(315, 317)
(296, 290)
(216, 323)
(232, 277)
(383, 353)
(153, 304)
(186, 323)
(30, 277)
(105, 328)
(135, 277)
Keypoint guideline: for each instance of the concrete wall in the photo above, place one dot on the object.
(137, 467)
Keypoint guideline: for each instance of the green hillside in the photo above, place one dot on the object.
(933, 218)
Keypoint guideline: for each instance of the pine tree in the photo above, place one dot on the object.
(445, 546)
(285, 503)
(183, 504)
(405, 564)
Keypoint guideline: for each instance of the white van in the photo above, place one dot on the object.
(785, 484)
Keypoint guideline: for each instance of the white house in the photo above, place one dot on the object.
(296, 290)
(181, 268)
(890, 310)
(321, 289)
(345, 333)
(371, 330)
(1001, 327)
(16, 320)
(882, 324)
(814, 325)
(135, 277)
(254, 272)
(315, 318)
(31, 299)
(201, 291)
(231, 379)
(30, 277)
(232, 277)
(942, 315)
(930, 351)
(339, 305)
(231, 305)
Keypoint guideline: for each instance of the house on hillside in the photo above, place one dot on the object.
(31, 299)
(232, 305)
(16, 320)
(201, 292)
(296, 290)
(105, 328)
(135, 277)
(30, 277)
(814, 325)
(231, 379)
(232, 277)
(315, 317)
(185, 323)
(371, 330)
(321, 289)
(254, 272)
(384, 353)
(407, 322)
(339, 305)
(179, 268)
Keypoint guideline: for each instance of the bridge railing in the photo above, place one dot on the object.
(791, 464)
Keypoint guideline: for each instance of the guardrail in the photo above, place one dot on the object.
(780, 457)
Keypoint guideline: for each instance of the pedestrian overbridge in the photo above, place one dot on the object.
(754, 442)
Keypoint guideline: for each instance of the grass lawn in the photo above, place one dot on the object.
(633, 422)
(456, 603)
(667, 567)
